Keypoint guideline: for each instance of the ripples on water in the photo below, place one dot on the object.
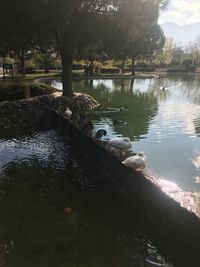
(39, 177)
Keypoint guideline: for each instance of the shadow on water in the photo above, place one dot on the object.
(39, 178)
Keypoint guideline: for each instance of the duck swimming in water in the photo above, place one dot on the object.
(123, 108)
(136, 162)
(117, 122)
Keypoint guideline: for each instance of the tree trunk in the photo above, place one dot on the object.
(91, 67)
(22, 63)
(133, 66)
(21, 56)
(46, 67)
(46, 70)
(193, 59)
(123, 64)
(46, 63)
(131, 85)
(66, 58)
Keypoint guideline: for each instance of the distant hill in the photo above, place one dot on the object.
(182, 35)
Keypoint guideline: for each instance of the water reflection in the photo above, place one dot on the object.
(142, 107)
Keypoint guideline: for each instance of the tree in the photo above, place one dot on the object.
(45, 58)
(135, 31)
(166, 56)
(177, 56)
(72, 24)
(194, 50)
(153, 43)
(18, 34)
(140, 30)
(70, 21)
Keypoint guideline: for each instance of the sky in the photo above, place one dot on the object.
(181, 12)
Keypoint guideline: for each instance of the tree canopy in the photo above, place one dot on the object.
(120, 27)
(19, 28)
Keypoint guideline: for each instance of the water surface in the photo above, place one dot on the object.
(39, 177)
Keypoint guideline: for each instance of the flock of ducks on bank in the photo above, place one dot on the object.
(119, 145)
(122, 144)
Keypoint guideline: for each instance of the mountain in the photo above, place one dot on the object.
(182, 34)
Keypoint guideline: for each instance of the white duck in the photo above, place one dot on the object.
(136, 162)
(68, 113)
(121, 143)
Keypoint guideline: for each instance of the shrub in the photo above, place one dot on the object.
(190, 68)
(187, 62)
(182, 69)
(110, 70)
(17, 91)
(9, 91)
(77, 75)
(37, 89)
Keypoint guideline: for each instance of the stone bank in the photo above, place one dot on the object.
(34, 112)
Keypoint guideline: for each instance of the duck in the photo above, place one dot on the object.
(121, 143)
(68, 113)
(114, 109)
(123, 108)
(87, 127)
(117, 122)
(136, 162)
(100, 133)
(162, 88)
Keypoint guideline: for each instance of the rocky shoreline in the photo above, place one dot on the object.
(34, 112)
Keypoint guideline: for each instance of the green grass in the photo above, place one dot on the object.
(32, 76)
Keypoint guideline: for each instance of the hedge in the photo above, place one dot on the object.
(17, 91)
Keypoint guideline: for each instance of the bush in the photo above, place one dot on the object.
(77, 75)
(30, 70)
(110, 70)
(9, 91)
(187, 62)
(182, 69)
(17, 91)
(37, 89)
(147, 69)
(190, 68)
(141, 64)
(77, 66)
